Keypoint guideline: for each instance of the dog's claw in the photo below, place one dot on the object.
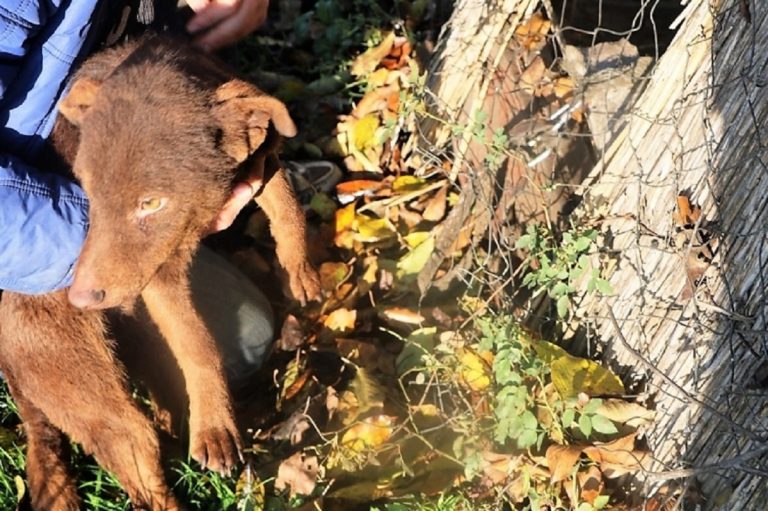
(216, 449)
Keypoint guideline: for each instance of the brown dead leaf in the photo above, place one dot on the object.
(333, 274)
(435, 209)
(624, 412)
(371, 58)
(533, 33)
(376, 100)
(291, 335)
(498, 467)
(299, 473)
(590, 483)
(563, 87)
(618, 457)
(341, 320)
(348, 191)
(561, 459)
(533, 75)
(687, 212)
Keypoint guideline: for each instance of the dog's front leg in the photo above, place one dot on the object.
(289, 228)
(214, 439)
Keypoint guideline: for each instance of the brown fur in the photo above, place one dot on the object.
(155, 119)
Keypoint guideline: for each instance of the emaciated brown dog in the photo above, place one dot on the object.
(163, 131)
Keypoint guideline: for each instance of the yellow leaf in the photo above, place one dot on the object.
(415, 239)
(364, 131)
(408, 183)
(370, 433)
(474, 371)
(548, 352)
(371, 230)
(572, 375)
(412, 262)
(379, 77)
(341, 320)
(370, 59)
(249, 490)
(345, 218)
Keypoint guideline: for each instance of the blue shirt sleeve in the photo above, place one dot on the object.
(44, 221)
(43, 215)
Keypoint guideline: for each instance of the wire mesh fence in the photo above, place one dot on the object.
(642, 120)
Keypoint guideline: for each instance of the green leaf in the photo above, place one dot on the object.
(585, 425)
(569, 415)
(583, 243)
(584, 506)
(527, 438)
(563, 304)
(419, 343)
(603, 425)
(592, 406)
(601, 501)
(412, 262)
(323, 205)
(604, 287)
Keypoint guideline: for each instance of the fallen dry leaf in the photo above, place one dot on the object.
(333, 274)
(376, 100)
(341, 320)
(474, 370)
(402, 315)
(618, 457)
(298, 473)
(590, 483)
(369, 433)
(291, 335)
(561, 459)
(533, 33)
(687, 213)
(533, 75)
(624, 412)
(369, 60)
(435, 210)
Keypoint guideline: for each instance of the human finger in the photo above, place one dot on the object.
(241, 195)
(211, 13)
(250, 15)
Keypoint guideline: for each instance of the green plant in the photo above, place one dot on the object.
(556, 267)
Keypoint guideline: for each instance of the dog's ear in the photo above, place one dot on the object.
(79, 99)
(244, 113)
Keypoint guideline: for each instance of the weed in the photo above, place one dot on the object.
(557, 267)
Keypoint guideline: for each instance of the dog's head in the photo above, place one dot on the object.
(157, 156)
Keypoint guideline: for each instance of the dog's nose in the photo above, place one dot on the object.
(86, 298)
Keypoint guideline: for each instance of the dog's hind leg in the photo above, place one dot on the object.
(51, 485)
(62, 363)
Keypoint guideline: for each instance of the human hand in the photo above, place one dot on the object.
(218, 23)
(242, 193)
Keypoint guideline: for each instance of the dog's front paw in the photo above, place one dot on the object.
(216, 448)
(304, 282)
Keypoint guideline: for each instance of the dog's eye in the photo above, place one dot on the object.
(150, 205)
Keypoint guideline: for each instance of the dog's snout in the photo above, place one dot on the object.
(86, 298)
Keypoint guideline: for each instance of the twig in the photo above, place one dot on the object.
(694, 471)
